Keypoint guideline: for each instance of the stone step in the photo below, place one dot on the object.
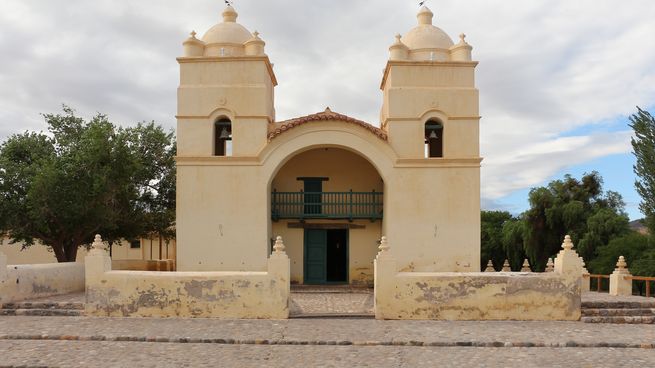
(44, 305)
(619, 319)
(618, 304)
(620, 312)
(41, 312)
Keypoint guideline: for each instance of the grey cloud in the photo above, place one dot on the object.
(546, 67)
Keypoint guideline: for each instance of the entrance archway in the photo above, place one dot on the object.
(327, 203)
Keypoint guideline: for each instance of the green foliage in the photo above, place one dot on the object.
(578, 208)
(643, 145)
(575, 207)
(513, 243)
(87, 177)
(491, 238)
(638, 250)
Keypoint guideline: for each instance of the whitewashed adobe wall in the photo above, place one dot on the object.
(20, 282)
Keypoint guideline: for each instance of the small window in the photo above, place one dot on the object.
(223, 137)
(433, 139)
(135, 244)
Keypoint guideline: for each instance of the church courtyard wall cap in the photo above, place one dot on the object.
(229, 31)
(425, 35)
(283, 126)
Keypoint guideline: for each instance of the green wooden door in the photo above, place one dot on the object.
(314, 187)
(315, 256)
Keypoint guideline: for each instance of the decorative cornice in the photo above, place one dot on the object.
(473, 162)
(226, 59)
(217, 161)
(456, 64)
(205, 117)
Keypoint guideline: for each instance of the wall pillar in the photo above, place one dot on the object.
(568, 261)
(618, 284)
(279, 269)
(384, 270)
(97, 262)
(586, 279)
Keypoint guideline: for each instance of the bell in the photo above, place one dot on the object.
(224, 134)
(433, 135)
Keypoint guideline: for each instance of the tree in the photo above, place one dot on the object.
(643, 145)
(633, 246)
(513, 242)
(492, 237)
(575, 207)
(86, 177)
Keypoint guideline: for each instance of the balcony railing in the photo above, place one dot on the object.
(326, 205)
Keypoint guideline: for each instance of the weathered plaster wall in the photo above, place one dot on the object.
(187, 294)
(20, 282)
(479, 295)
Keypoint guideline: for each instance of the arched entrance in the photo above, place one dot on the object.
(327, 203)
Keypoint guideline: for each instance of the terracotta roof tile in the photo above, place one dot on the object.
(282, 126)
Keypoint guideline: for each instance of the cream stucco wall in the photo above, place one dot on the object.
(187, 294)
(431, 207)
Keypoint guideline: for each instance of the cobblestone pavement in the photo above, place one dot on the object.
(331, 301)
(131, 354)
(326, 331)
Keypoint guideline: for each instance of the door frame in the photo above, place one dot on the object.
(304, 260)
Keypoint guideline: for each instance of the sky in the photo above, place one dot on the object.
(558, 79)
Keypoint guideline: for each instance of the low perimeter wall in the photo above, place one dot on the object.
(187, 294)
(479, 296)
(20, 282)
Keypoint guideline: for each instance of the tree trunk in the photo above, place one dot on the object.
(60, 253)
(71, 252)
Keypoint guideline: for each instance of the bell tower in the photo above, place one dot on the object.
(224, 108)
(431, 105)
(225, 97)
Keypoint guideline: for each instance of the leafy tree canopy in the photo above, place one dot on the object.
(83, 178)
(492, 237)
(643, 146)
(638, 250)
(575, 207)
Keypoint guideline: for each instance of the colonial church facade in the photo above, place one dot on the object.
(331, 185)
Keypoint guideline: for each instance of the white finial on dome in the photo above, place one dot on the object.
(193, 34)
(230, 15)
(425, 16)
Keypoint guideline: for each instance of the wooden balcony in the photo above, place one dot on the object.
(326, 205)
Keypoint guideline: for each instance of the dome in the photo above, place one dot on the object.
(227, 32)
(425, 35)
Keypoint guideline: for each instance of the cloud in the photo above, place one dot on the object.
(546, 68)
